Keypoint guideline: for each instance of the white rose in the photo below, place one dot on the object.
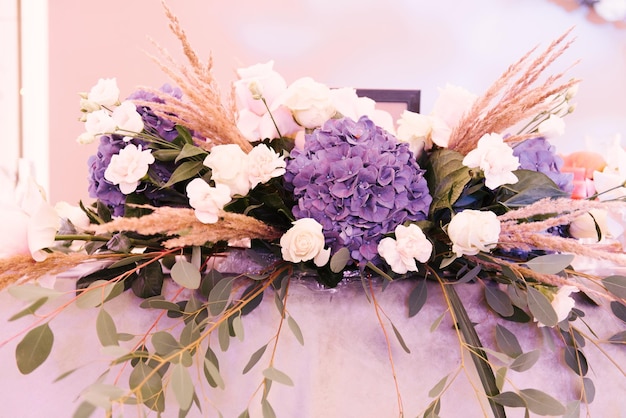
(410, 244)
(264, 164)
(310, 102)
(608, 181)
(611, 10)
(128, 167)
(105, 92)
(552, 127)
(127, 119)
(304, 241)
(256, 128)
(100, 122)
(207, 201)
(88, 106)
(259, 80)
(495, 159)
(473, 231)
(229, 166)
(562, 303)
(415, 129)
(587, 225)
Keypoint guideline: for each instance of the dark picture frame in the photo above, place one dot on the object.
(410, 97)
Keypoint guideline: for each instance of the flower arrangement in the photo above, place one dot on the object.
(309, 181)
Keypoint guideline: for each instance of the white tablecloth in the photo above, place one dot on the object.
(343, 369)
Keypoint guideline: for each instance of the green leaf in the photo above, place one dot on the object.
(433, 409)
(400, 339)
(525, 361)
(157, 302)
(212, 371)
(576, 360)
(183, 172)
(499, 301)
(619, 310)
(150, 388)
(254, 302)
(438, 388)
(507, 342)
(84, 410)
(220, 295)
(531, 186)
(541, 308)
(616, 285)
(101, 394)
(295, 329)
(268, 411)
(510, 399)
(590, 389)
(619, 338)
(189, 334)
(34, 348)
(541, 403)
(30, 292)
(31, 309)
(223, 335)
(105, 328)
(244, 414)
(95, 294)
(339, 260)
(238, 327)
(149, 281)
(164, 343)
(186, 274)
(182, 386)
(165, 154)
(550, 264)
(277, 376)
(188, 151)
(254, 359)
(417, 298)
(572, 410)
(500, 377)
(446, 176)
(437, 321)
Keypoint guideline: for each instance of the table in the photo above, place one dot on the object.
(342, 370)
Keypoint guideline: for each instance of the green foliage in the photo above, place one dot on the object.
(34, 348)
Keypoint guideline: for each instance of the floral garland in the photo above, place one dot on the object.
(316, 182)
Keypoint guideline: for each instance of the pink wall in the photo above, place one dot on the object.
(361, 43)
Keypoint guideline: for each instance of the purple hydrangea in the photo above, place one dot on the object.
(537, 154)
(99, 187)
(359, 182)
(162, 127)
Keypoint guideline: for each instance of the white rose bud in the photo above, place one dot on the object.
(311, 102)
(304, 241)
(105, 92)
(473, 231)
(589, 224)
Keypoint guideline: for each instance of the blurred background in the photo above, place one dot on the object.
(55, 49)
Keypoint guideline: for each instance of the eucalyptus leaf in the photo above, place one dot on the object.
(619, 310)
(437, 322)
(182, 386)
(277, 376)
(223, 335)
(498, 300)
(34, 348)
(418, 297)
(616, 285)
(84, 410)
(590, 389)
(507, 342)
(251, 303)
(238, 327)
(266, 408)
(209, 280)
(220, 295)
(149, 281)
(105, 328)
(186, 274)
(31, 309)
(400, 339)
(150, 388)
(550, 263)
(501, 377)
(244, 414)
(572, 410)
(576, 360)
(212, 370)
(525, 361)
(470, 275)
(295, 329)
(190, 334)
(510, 399)
(164, 343)
(438, 388)
(254, 359)
(31, 292)
(95, 294)
(619, 338)
(211, 358)
(339, 260)
(541, 403)
(541, 308)
(157, 302)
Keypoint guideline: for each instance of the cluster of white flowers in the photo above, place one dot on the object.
(610, 10)
(267, 106)
(234, 173)
(104, 114)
